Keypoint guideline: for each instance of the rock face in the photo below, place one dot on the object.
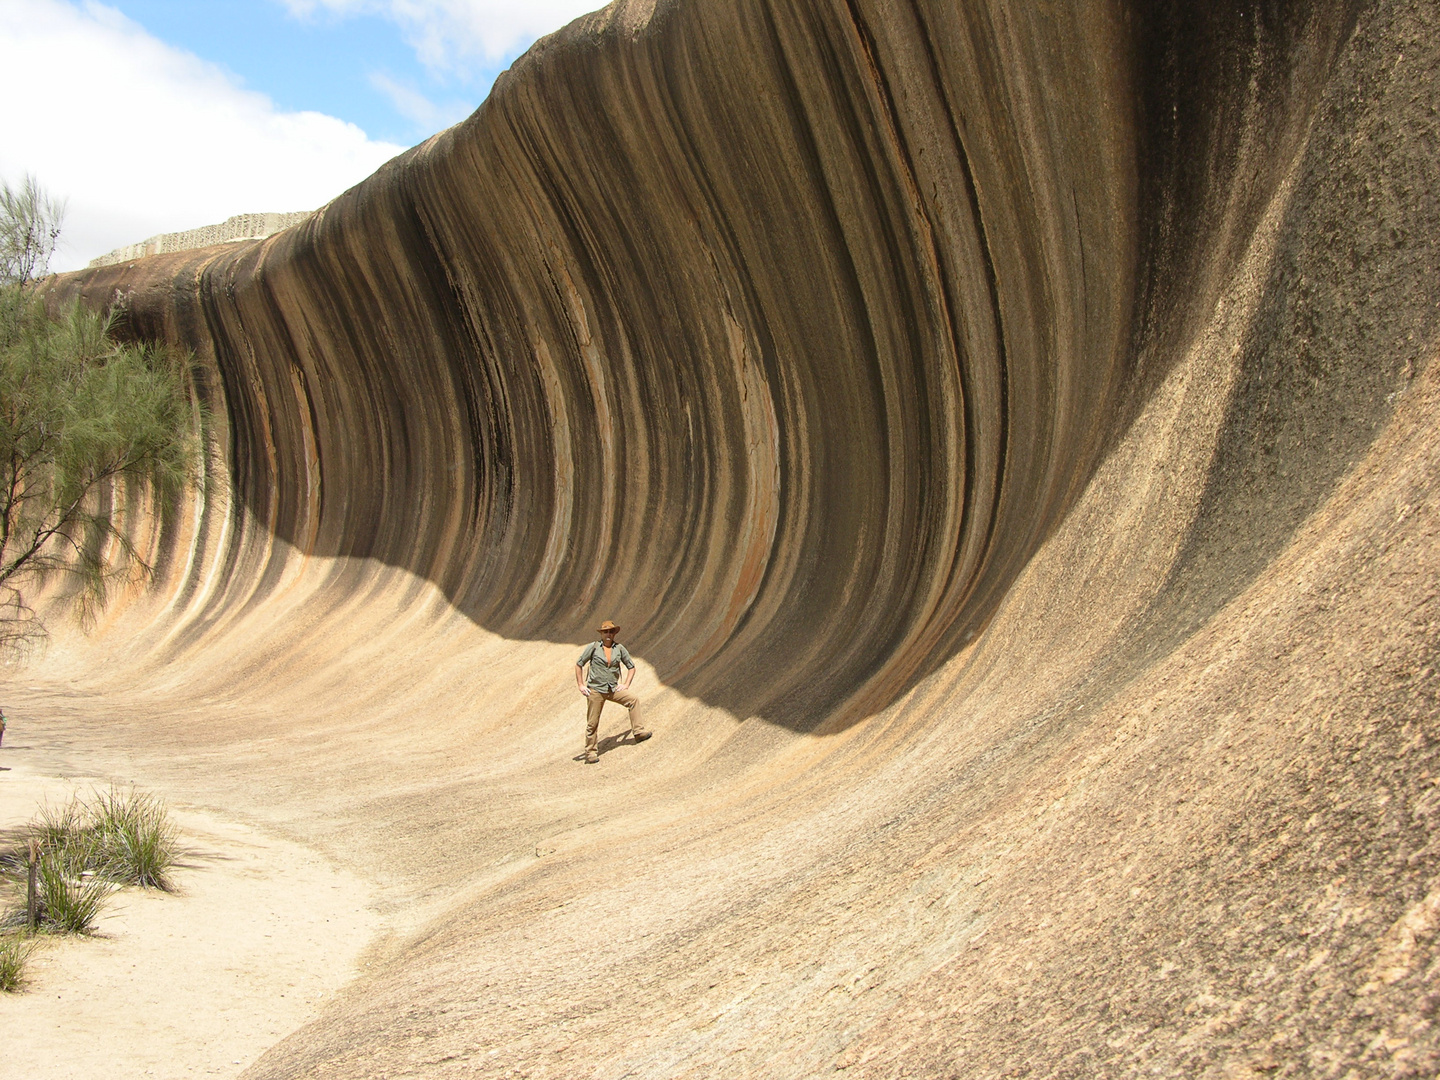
(1004, 429)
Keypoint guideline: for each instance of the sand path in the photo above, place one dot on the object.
(261, 932)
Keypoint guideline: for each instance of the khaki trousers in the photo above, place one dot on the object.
(596, 701)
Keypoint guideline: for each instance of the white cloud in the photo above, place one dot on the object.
(414, 106)
(143, 138)
(447, 33)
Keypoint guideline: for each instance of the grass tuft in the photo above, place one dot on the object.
(15, 950)
(134, 840)
(55, 827)
(87, 849)
(71, 895)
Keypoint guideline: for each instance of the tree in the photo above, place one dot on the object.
(31, 229)
(87, 423)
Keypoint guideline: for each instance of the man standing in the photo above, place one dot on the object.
(604, 659)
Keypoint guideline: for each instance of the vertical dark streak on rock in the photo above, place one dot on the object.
(972, 424)
(936, 295)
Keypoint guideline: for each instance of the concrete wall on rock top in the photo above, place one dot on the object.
(231, 230)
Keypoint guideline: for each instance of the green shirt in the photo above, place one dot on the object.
(604, 677)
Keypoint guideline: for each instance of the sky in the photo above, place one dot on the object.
(152, 116)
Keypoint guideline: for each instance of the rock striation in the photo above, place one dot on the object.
(1005, 431)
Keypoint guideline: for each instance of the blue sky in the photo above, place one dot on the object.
(152, 116)
(325, 61)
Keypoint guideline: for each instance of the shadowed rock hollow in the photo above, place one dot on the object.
(1005, 432)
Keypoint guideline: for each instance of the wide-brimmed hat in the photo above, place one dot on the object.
(608, 625)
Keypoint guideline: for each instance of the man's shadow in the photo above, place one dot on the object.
(608, 743)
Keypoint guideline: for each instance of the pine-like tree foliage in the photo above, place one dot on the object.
(29, 229)
(82, 418)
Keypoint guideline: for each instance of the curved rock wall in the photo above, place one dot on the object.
(1006, 433)
(784, 333)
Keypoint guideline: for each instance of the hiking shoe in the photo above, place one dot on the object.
(640, 734)
(591, 757)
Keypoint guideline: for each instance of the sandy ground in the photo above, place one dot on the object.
(260, 933)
